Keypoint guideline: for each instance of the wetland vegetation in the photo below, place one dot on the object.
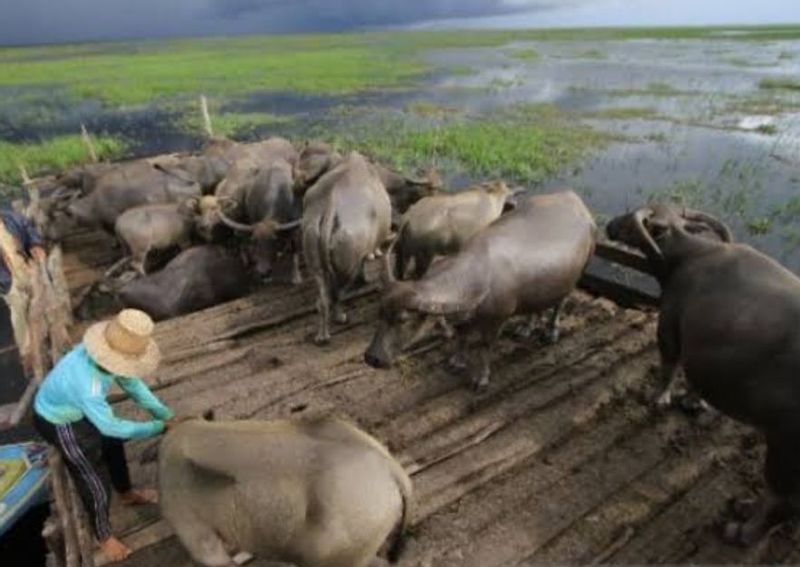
(622, 114)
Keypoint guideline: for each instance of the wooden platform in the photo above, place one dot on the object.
(563, 460)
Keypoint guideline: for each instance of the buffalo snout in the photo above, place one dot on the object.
(377, 355)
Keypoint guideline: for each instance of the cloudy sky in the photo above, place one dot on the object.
(45, 21)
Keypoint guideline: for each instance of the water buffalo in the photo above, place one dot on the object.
(730, 316)
(195, 279)
(125, 187)
(273, 211)
(441, 224)
(525, 262)
(346, 218)
(244, 173)
(315, 493)
(148, 228)
(316, 158)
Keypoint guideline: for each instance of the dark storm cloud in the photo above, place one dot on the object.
(345, 14)
(37, 21)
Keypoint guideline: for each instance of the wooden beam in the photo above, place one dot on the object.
(87, 140)
(618, 255)
(619, 293)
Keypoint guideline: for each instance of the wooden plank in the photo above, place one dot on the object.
(623, 256)
(619, 293)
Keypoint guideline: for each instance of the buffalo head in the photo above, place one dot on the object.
(400, 324)
(653, 229)
(316, 158)
(266, 241)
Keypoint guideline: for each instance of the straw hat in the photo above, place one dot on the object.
(124, 345)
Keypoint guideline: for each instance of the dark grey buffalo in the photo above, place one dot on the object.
(272, 218)
(195, 279)
(124, 188)
(346, 219)
(730, 316)
(527, 261)
(317, 158)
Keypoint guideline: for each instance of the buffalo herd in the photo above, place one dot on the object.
(465, 261)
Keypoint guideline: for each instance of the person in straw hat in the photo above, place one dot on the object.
(72, 413)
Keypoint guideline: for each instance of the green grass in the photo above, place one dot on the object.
(229, 124)
(629, 113)
(52, 155)
(139, 72)
(525, 54)
(769, 105)
(591, 54)
(525, 143)
(429, 109)
(780, 83)
(786, 55)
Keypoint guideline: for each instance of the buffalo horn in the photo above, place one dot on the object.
(235, 225)
(638, 218)
(716, 225)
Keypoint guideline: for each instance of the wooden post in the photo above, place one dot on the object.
(81, 519)
(87, 140)
(53, 538)
(58, 477)
(206, 117)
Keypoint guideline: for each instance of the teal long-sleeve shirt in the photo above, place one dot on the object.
(77, 388)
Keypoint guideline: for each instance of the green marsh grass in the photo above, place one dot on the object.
(780, 83)
(52, 155)
(138, 72)
(230, 124)
(527, 143)
(525, 54)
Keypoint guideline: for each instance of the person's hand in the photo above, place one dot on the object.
(172, 422)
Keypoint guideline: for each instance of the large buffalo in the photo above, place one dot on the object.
(272, 215)
(246, 162)
(525, 262)
(195, 279)
(123, 188)
(317, 158)
(730, 316)
(316, 493)
(346, 218)
(440, 225)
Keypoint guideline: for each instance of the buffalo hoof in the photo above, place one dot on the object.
(523, 332)
(340, 318)
(664, 401)
(322, 339)
(743, 534)
(297, 279)
(480, 386)
(457, 362)
(553, 336)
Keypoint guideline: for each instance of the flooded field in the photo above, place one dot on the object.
(708, 120)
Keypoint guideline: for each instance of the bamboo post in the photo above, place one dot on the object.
(85, 542)
(52, 535)
(206, 117)
(58, 476)
(87, 140)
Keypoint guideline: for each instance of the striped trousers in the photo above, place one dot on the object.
(95, 463)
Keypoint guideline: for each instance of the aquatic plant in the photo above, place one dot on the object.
(780, 83)
(525, 143)
(525, 54)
